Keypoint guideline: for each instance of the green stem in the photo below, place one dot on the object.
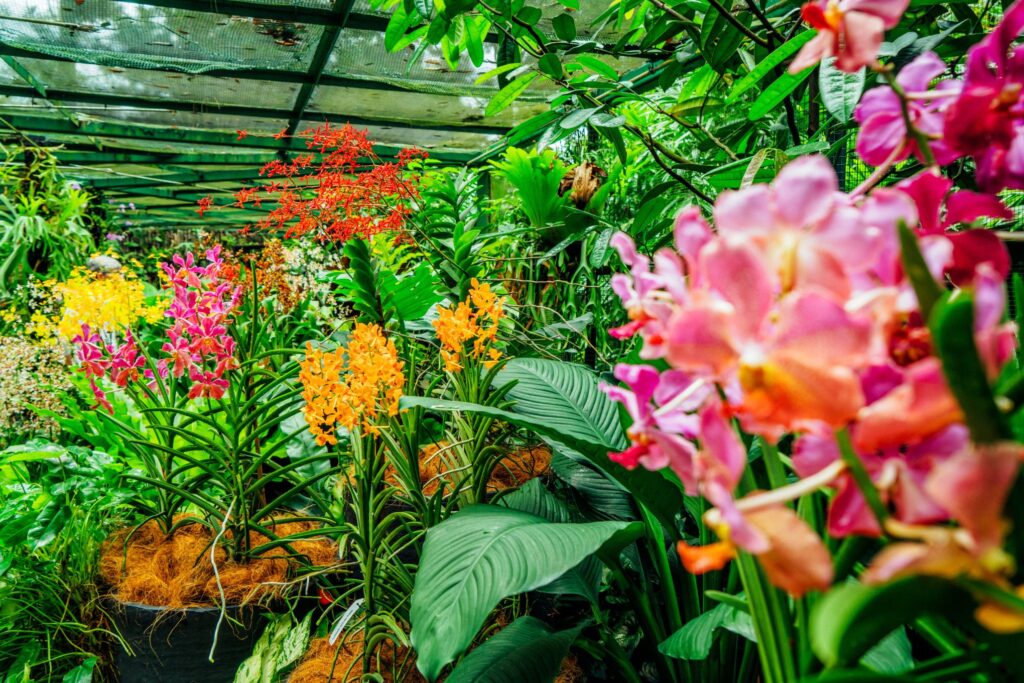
(861, 477)
(773, 465)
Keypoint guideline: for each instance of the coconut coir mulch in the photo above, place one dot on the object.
(515, 470)
(147, 566)
(326, 663)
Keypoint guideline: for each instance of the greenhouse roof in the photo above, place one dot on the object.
(146, 98)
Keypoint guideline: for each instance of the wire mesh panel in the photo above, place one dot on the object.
(141, 36)
(165, 86)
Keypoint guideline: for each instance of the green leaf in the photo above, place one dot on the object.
(529, 15)
(852, 618)
(494, 73)
(614, 136)
(764, 67)
(412, 294)
(281, 644)
(840, 91)
(857, 676)
(507, 95)
(564, 26)
(952, 327)
(659, 494)
(719, 38)
(597, 66)
(566, 397)
(892, 655)
(81, 673)
(532, 498)
(695, 639)
(566, 400)
(398, 24)
(525, 651)
(551, 65)
(775, 93)
(578, 118)
(605, 497)
(478, 556)
(926, 288)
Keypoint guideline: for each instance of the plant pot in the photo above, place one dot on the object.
(173, 646)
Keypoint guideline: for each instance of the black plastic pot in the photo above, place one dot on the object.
(173, 646)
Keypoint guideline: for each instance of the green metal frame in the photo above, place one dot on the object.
(131, 102)
(41, 124)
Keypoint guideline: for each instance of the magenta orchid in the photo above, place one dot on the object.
(984, 122)
(884, 138)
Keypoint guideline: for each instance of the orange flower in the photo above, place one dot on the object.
(351, 387)
(474, 320)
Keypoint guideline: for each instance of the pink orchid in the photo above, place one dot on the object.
(810, 233)
(849, 30)
(974, 486)
(918, 406)
(898, 471)
(100, 396)
(206, 384)
(179, 356)
(883, 138)
(125, 362)
(89, 352)
(985, 120)
(794, 368)
(661, 432)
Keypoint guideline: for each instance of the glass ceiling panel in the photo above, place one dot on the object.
(154, 85)
(130, 35)
(416, 107)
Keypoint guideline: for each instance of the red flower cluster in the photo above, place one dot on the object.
(341, 189)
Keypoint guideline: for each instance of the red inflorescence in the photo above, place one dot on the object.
(339, 190)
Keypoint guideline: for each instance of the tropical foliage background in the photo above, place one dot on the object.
(709, 372)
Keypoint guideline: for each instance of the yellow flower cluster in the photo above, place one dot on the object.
(351, 387)
(103, 301)
(473, 320)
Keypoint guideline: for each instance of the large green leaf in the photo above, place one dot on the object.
(477, 557)
(764, 67)
(566, 396)
(525, 651)
(892, 655)
(507, 95)
(853, 618)
(539, 407)
(565, 401)
(583, 579)
(774, 94)
(603, 495)
(840, 91)
(695, 639)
